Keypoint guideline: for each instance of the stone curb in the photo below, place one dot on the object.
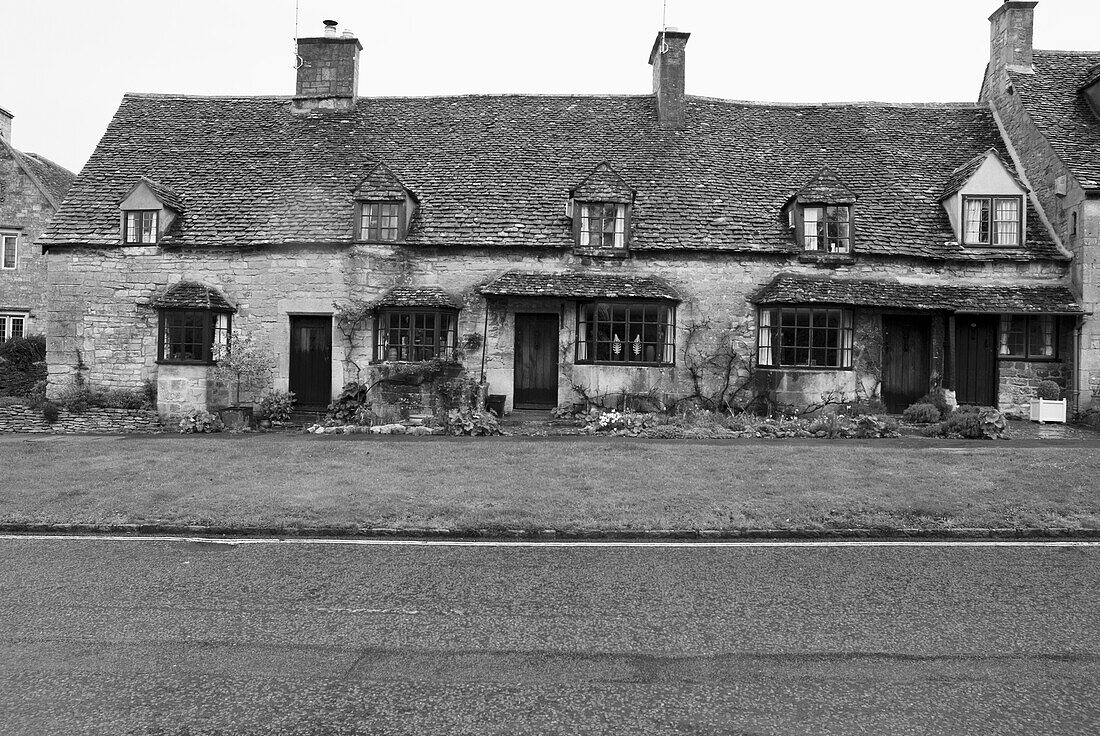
(326, 532)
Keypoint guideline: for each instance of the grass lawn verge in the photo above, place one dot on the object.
(291, 481)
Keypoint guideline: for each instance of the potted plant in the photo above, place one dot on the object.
(243, 362)
(1048, 406)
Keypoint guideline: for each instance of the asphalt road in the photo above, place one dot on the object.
(125, 637)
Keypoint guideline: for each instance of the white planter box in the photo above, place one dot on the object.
(1043, 410)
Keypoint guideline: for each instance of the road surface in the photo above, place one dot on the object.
(186, 637)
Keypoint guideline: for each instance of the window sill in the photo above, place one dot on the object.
(992, 245)
(186, 362)
(360, 241)
(1025, 359)
(827, 259)
(602, 252)
(804, 368)
(624, 364)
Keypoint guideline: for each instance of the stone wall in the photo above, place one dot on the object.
(101, 305)
(26, 211)
(1042, 170)
(27, 419)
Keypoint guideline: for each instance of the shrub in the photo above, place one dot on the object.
(198, 421)
(971, 423)
(121, 398)
(277, 405)
(22, 365)
(922, 414)
(471, 422)
(350, 406)
(937, 399)
(1048, 390)
(149, 388)
(50, 411)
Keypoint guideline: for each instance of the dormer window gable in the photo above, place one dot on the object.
(384, 207)
(601, 207)
(820, 215)
(147, 211)
(986, 203)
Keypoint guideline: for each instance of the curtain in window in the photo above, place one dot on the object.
(1007, 218)
(974, 220)
(1041, 337)
(847, 336)
(764, 338)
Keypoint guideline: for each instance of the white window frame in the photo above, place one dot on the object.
(7, 324)
(8, 240)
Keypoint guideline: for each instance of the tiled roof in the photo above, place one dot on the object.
(579, 285)
(54, 179)
(825, 188)
(193, 295)
(165, 194)
(496, 171)
(960, 176)
(416, 296)
(604, 185)
(380, 184)
(1052, 98)
(798, 289)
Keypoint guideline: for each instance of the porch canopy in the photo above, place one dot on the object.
(578, 285)
(426, 297)
(788, 288)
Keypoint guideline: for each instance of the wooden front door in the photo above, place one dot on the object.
(311, 361)
(536, 370)
(976, 359)
(906, 360)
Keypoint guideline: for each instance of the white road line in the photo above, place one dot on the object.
(684, 544)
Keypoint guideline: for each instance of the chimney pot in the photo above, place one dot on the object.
(347, 33)
(330, 28)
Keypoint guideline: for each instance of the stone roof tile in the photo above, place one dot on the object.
(193, 295)
(495, 171)
(788, 288)
(579, 285)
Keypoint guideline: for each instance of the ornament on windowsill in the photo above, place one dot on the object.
(637, 345)
(617, 346)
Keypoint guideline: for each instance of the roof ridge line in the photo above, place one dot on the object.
(856, 103)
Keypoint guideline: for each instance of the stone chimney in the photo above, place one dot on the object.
(1010, 29)
(328, 71)
(667, 58)
(5, 125)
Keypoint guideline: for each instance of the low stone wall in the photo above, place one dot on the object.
(28, 419)
(1020, 380)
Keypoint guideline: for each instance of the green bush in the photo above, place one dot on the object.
(922, 414)
(198, 421)
(1048, 390)
(936, 399)
(971, 423)
(22, 365)
(350, 406)
(277, 405)
(471, 422)
(50, 411)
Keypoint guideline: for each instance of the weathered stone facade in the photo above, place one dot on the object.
(102, 309)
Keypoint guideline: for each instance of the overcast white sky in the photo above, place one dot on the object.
(64, 64)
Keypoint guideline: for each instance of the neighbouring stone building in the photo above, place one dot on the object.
(582, 245)
(31, 190)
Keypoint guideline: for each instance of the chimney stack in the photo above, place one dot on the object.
(5, 125)
(667, 58)
(328, 71)
(1010, 29)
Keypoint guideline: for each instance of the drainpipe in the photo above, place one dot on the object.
(483, 389)
(1077, 364)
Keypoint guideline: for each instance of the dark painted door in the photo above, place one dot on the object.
(536, 372)
(311, 360)
(906, 360)
(976, 360)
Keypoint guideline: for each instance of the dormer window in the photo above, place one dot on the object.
(603, 225)
(381, 221)
(600, 206)
(826, 228)
(140, 226)
(991, 220)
